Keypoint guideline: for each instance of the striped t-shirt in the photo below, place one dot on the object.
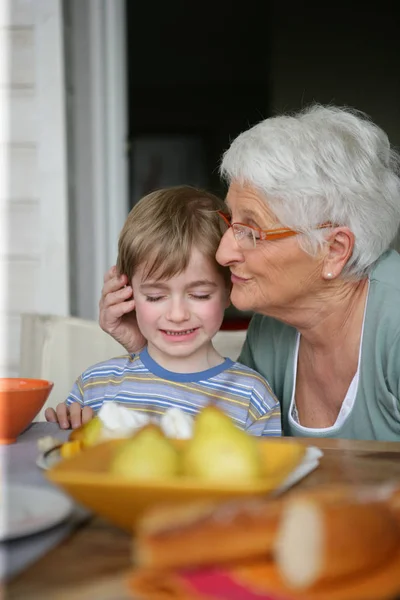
(137, 382)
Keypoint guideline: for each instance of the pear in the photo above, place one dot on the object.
(221, 452)
(148, 455)
(88, 434)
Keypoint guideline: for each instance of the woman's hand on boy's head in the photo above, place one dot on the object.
(73, 415)
(117, 316)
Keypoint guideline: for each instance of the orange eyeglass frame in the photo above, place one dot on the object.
(269, 234)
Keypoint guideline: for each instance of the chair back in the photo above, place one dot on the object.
(60, 349)
(229, 343)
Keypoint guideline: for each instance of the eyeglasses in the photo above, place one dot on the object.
(246, 236)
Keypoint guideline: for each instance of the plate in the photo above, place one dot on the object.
(47, 460)
(380, 583)
(308, 464)
(87, 479)
(28, 509)
(262, 581)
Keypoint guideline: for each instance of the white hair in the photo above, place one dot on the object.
(324, 164)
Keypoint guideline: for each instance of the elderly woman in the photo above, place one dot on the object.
(312, 207)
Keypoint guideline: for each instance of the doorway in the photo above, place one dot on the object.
(198, 75)
(196, 78)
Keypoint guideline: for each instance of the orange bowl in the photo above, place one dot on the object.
(86, 477)
(20, 401)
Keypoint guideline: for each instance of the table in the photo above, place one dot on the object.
(18, 463)
(92, 564)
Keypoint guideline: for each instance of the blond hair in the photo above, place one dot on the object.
(162, 229)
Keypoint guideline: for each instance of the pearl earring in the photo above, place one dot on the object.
(329, 275)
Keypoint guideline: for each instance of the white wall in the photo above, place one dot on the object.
(34, 226)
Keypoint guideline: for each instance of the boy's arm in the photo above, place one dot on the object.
(264, 415)
(76, 394)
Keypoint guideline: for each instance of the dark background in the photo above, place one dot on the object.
(199, 71)
(212, 69)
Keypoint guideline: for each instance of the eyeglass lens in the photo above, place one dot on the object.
(244, 236)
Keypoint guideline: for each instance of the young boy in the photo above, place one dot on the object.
(167, 251)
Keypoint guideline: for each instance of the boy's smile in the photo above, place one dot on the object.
(180, 334)
(179, 316)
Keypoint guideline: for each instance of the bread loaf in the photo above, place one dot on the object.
(206, 533)
(326, 532)
(394, 503)
(321, 541)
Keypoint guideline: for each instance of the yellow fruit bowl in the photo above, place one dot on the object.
(87, 479)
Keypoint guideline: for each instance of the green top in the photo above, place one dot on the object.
(270, 346)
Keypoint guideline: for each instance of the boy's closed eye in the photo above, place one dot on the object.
(200, 296)
(192, 296)
(154, 298)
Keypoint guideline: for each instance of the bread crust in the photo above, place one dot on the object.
(206, 533)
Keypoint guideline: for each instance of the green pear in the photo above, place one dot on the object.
(148, 455)
(221, 452)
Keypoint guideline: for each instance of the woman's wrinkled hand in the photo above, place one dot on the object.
(73, 415)
(117, 316)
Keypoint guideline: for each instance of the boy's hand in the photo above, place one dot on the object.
(69, 416)
(117, 316)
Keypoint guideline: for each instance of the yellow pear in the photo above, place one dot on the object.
(88, 434)
(148, 455)
(221, 452)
